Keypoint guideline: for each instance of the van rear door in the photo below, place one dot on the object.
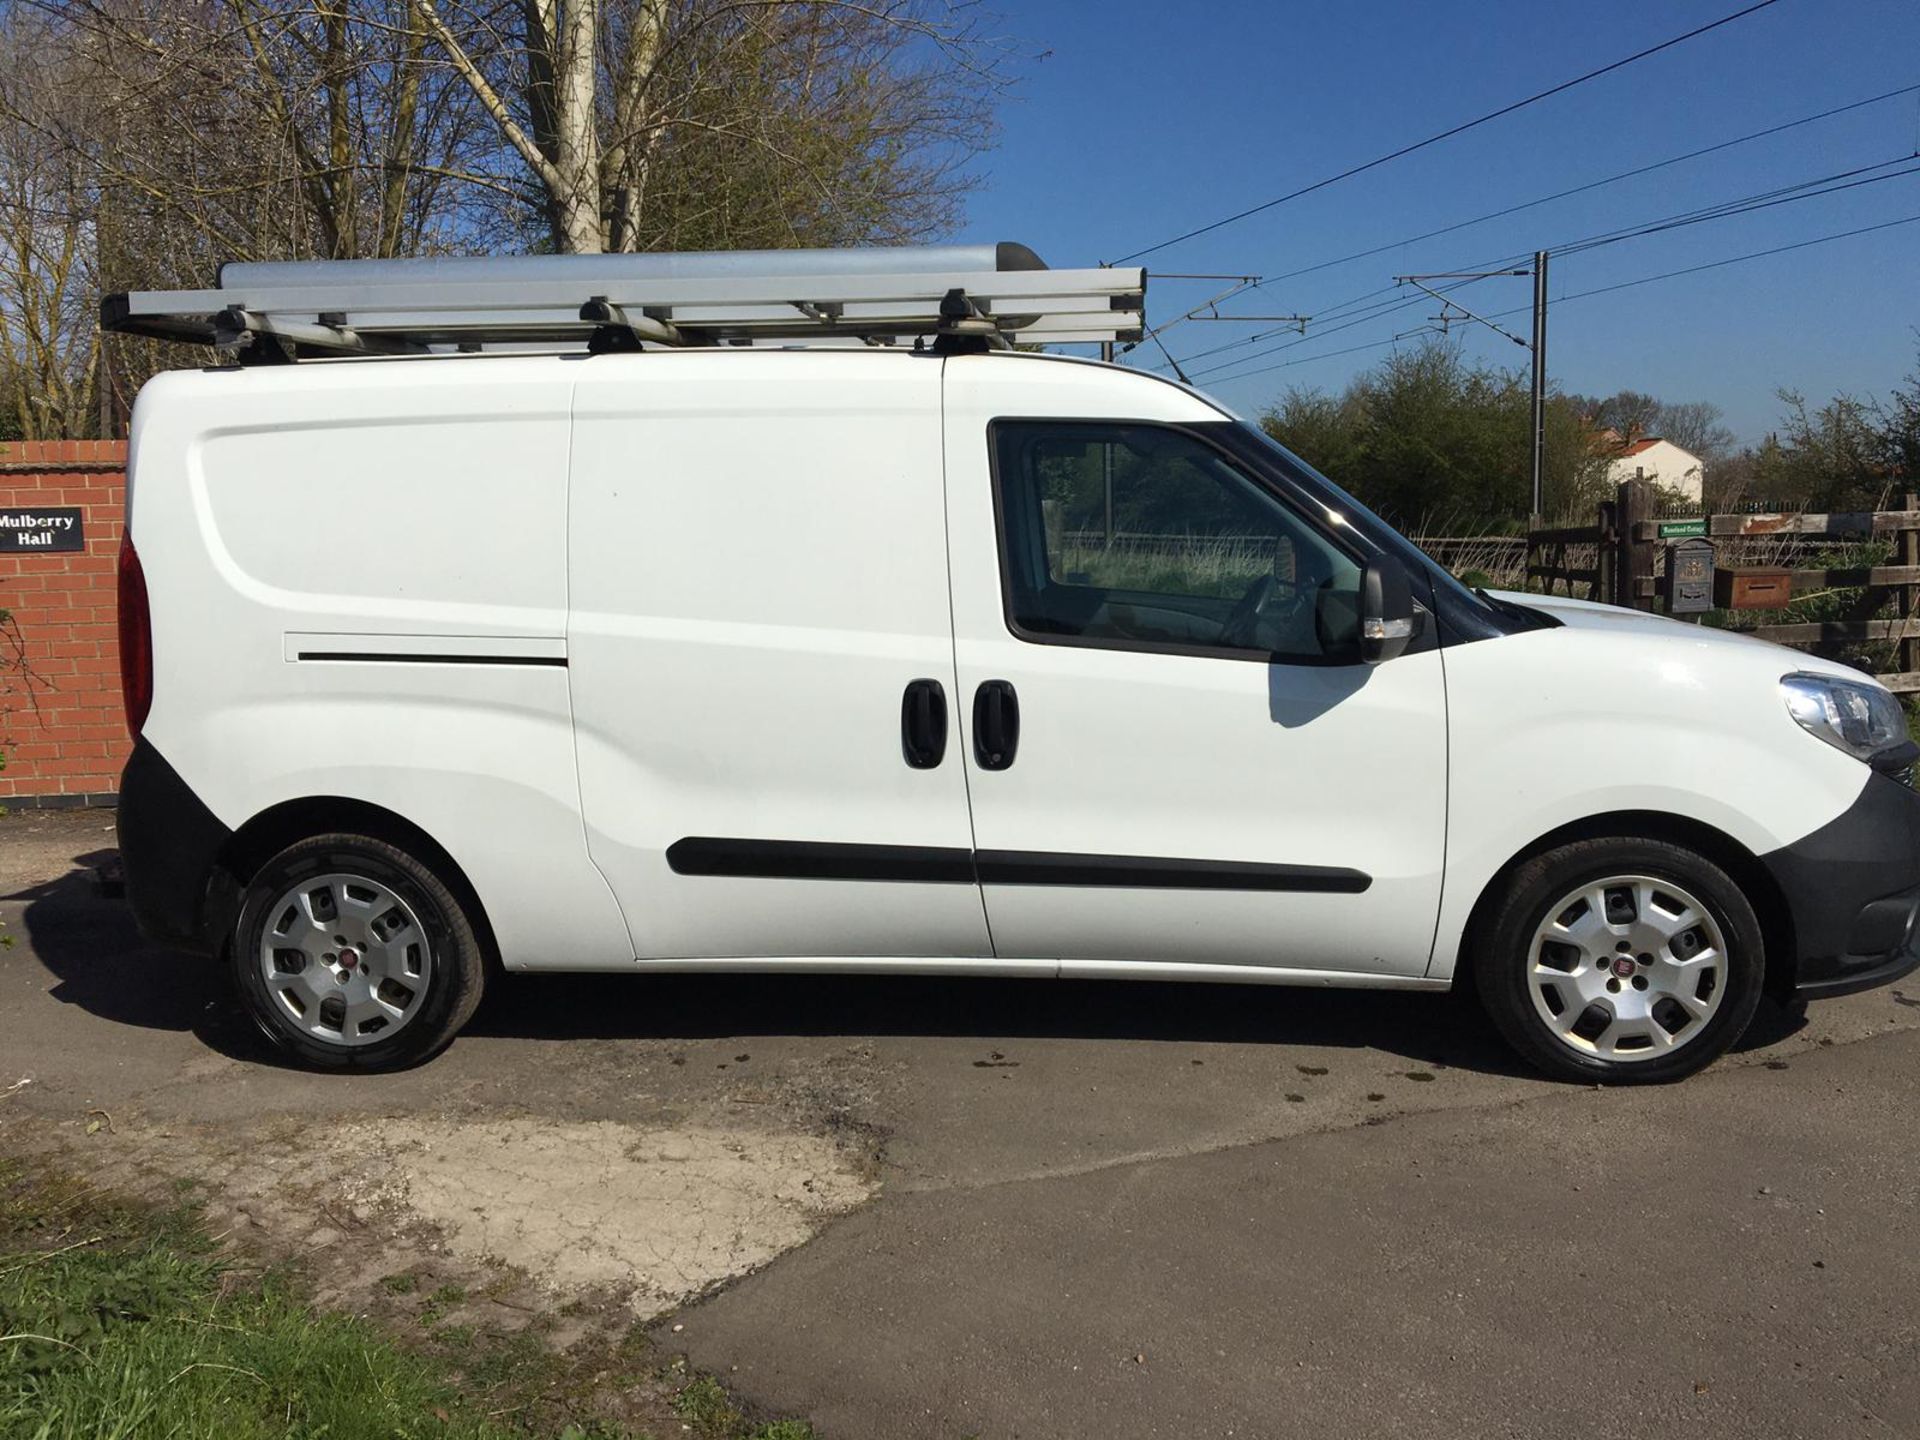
(760, 646)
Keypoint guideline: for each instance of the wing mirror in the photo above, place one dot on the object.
(1388, 620)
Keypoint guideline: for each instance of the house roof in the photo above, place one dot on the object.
(1646, 443)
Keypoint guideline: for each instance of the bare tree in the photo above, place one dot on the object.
(1693, 425)
(374, 127)
(194, 133)
(1696, 426)
(49, 348)
(648, 123)
(147, 141)
(279, 128)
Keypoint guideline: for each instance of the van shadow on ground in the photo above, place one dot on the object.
(102, 965)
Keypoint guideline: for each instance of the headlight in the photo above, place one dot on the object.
(1862, 719)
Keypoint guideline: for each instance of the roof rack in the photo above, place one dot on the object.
(971, 296)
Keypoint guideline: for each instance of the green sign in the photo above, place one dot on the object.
(1681, 529)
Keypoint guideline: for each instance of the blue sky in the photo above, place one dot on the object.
(1146, 119)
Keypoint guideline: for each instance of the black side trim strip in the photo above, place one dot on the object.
(820, 860)
(950, 865)
(388, 658)
(1041, 867)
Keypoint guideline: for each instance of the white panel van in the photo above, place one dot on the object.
(691, 656)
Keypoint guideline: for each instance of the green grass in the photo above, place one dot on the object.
(707, 1407)
(117, 1321)
(709, 1411)
(121, 1320)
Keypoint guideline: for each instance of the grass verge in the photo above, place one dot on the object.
(120, 1319)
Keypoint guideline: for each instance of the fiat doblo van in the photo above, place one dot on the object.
(650, 614)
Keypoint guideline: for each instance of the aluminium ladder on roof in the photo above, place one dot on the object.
(959, 295)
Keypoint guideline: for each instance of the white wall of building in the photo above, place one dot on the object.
(1662, 462)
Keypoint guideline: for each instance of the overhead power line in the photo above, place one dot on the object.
(1804, 190)
(1378, 313)
(1459, 129)
(1730, 260)
(1829, 186)
(1353, 349)
(1243, 341)
(1589, 185)
(1621, 285)
(1346, 323)
(1375, 312)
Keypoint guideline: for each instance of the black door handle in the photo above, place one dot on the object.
(996, 724)
(923, 724)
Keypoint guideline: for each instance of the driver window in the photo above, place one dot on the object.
(1134, 536)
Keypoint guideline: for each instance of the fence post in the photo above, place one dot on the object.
(1909, 555)
(1606, 556)
(1633, 556)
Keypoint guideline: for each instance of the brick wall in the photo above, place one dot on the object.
(61, 725)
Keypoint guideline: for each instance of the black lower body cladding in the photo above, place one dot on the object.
(1853, 888)
(170, 844)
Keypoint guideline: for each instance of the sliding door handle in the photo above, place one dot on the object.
(996, 724)
(923, 724)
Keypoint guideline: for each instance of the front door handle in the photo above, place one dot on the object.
(923, 724)
(996, 724)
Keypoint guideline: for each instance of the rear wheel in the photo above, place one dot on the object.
(352, 954)
(1621, 961)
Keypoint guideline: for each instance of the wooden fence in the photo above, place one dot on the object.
(1621, 559)
(1570, 561)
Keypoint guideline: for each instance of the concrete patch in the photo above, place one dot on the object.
(658, 1214)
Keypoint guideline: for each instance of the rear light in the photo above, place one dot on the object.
(136, 639)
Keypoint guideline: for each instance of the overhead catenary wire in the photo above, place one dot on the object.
(1830, 185)
(1804, 189)
(1356, 349)
(1375, 313)
(1717, 264)
(1817, 187)
(1331, 312)
(1447, 134)
(1619, 285)
(1261, 282)
(1582, 189)
(1379, 313)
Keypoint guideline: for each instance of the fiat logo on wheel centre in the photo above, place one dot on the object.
(1623, 966)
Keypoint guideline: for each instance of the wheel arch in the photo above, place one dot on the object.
(275, 828)
(1755, 881)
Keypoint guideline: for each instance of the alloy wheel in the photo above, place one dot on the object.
(345, 959)
(1627, 969)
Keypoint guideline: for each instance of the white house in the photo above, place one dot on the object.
(1660, 461)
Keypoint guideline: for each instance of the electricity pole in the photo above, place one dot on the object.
(1538, 345)
(1539, 348)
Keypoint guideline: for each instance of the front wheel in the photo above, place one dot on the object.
(1621, 961)
(352, 954)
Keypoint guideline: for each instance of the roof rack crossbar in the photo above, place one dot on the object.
(307, 309)
(647, 324)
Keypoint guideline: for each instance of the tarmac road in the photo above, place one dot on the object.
(1142, 1210)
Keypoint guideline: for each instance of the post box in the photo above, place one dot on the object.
(1689, 585)
(1753, 587)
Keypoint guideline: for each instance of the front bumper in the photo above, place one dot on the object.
(1852, 888)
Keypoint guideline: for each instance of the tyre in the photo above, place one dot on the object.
(353, 955)
(1620, 961)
